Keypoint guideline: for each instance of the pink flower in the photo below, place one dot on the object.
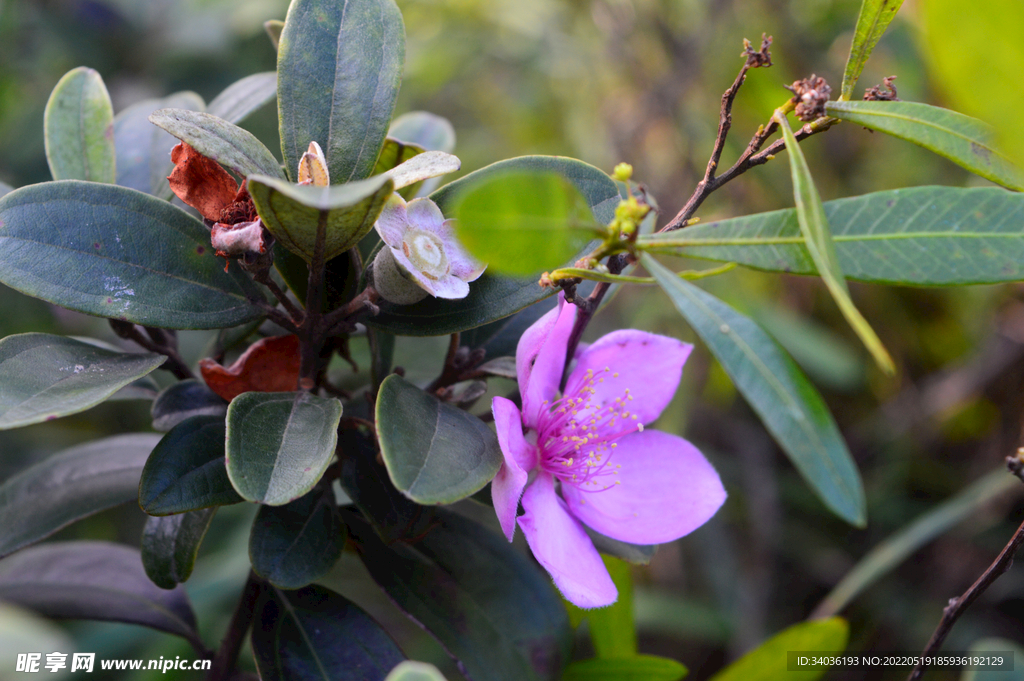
(635, 485)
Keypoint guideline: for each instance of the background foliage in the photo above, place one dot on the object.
(607, 81)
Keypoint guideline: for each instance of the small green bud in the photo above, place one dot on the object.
(623, 172)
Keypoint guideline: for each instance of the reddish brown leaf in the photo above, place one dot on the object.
(270, 365)
(201, 182)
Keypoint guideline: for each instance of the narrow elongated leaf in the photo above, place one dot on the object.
(612, 629)
(872, 21)
(523, 223)
(233, 147)
(43, 377)
(279, 444)
(770, 660)
(493, 297)
(435, 453)
(144, 150)
(70, 485)
(789, 406)
(423, 167)
(94, 580)
(818, 237)
(115, 252)
(425, 130)
(295, 214)
(78, 123)
(963, 140)
(243, 97)
(415, 671)
(184, 400)
(186, 471)
(899, 546)
(636, 668)
(923, 236)
(298, 543)
(301, 633)
(339, 66)
(445, 580)
(170, 545)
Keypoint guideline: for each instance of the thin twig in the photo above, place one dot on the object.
(365, 301)
(452, 370)
(157, 341)
(275, 315)
(956, 606)
(296, 314)
(227, 655)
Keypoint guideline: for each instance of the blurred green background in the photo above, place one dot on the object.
(607, 81)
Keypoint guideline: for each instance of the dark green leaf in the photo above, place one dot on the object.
(789, 406)
(94, 580)
(445, 580)
(170, 545)
(769, 661)
(818, 240)
(243, 97)
(115, 252)
(493, 297)
(183, 400)
(298, 543)
(636, 668)
(295, 214)
(522, 223)
(315, 634)
(924, 236)
(872, 21)
(279, 444)
(636, 554)
(425, 130)
(69, 486)
(43, 377)
(186, 471)
(78, 123)
(434, 452)
(229, 145)
(144, 150)
(382, 351)
(339, 67)
(963, 140)
(501, 338)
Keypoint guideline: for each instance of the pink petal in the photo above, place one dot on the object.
(463, 265)
(562, 547)
(667, 490)
(424, 214)
(649, 366)
(393, 221)
(508, 484)
(450, 287)
(413, 274)
(530, 343)
(546, 374)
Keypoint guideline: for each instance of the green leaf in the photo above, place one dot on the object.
(171, 543)
(94, 580)
(298, 543)
(415, 671)
(274, 27)
(872, 21)
(186, 471)
(424, 129)
(295, 214)
(789, 406)
(963, 140)
(229, 145)
(445, 580)
(995, 646)
(43, 377)
(635, 554)
(769, 661)
(899, 546)
(636, 668)
(315, 634)
(69, 486)
(493, 297)
(279, 444)
(244, 97)
(394, 153)
(818, 239)
(184, 400)
(425, 166)
(115, 252)
(144, 150)
(923, 236)
(613, 629)
(5, 189)
(339, 67)
(435, 453)
(79, 132)
(523, 223)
